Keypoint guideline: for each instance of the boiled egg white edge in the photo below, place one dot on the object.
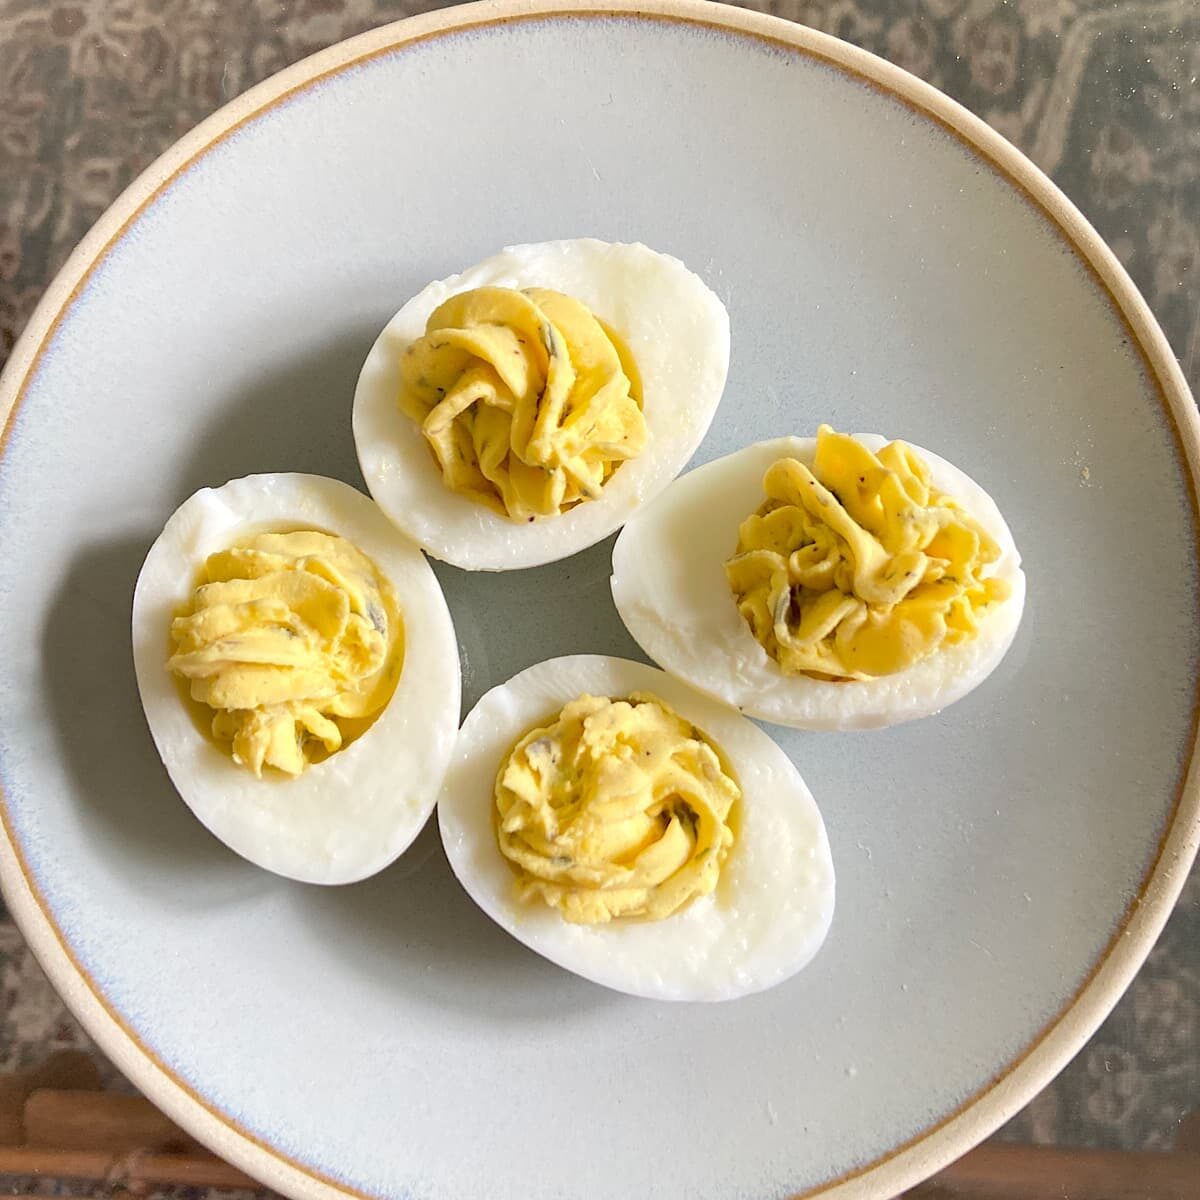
(773, 903)
(669, 586)
(347, 817)
(677, 331)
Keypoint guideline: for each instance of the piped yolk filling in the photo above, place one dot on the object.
(528, 401)
(295, 641)
(616, 809)
(859, 567)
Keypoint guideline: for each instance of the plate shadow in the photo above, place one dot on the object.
(413, 929)
(103, 739)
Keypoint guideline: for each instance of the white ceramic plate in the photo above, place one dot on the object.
(888, 263)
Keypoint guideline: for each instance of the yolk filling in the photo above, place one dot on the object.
(618, 808)
(859, 567)
(295, 640)
(528, 401)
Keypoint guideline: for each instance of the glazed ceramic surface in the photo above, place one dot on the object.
(887, 264)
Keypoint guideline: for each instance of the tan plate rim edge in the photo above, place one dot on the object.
(1016, 1083)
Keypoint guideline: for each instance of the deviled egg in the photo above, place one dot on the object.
(521, 411)
(299, 672)
(833, 582)
(637, 833)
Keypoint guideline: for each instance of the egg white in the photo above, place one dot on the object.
(669, 585)
(677, 331)
(774, 900)
(349, 816)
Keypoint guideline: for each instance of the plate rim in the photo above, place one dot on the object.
(1063, 1036)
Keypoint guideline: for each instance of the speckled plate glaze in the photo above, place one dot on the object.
(889, 263)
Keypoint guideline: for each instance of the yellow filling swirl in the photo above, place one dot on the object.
(528, 401)
(859, 567)
(295, 640)
(618, 808)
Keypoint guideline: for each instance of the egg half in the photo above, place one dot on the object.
(345, 817)
(675, 329)
(773, 902)
(670, 588)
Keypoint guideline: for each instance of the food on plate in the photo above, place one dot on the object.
(839, 583)
(295, 642)
(520, 411)
(299, 672)
(525, 398)
(637, 833)
(616, 808)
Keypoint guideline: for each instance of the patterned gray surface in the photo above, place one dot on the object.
(1103, 96)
